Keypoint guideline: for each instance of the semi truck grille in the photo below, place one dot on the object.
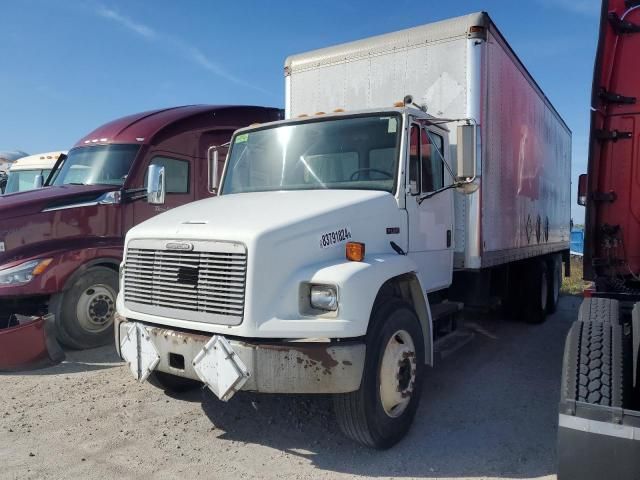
(208, 284)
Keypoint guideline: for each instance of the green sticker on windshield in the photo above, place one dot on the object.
(243, 137)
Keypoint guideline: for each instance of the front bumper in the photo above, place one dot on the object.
(273, 367)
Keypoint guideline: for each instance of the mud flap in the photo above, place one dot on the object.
(138, 350)
(220, 368)
(29, 345)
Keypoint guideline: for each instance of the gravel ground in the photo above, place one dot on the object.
(488, 411)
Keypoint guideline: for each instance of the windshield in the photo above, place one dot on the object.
(97, 165)
(346, 153)
(22, 180)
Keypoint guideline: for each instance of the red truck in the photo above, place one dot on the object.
(599, 415)
(61, 246)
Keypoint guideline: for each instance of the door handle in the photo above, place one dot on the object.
(448, 238)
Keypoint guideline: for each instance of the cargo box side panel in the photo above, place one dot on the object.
(526, 165)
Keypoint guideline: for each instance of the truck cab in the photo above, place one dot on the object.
(60, 246)
(333, 224)
(28, 173)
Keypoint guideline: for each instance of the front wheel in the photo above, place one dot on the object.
(84, 312)
(381, 411)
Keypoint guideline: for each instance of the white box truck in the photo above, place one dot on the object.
(416, 172)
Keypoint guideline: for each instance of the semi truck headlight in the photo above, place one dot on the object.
(324, 297)
(23, 273)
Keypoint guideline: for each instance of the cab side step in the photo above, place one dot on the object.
(449, 336)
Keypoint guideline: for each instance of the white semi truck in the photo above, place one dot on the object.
(343, 244)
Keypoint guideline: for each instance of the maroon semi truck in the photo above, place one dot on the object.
(599, 417)
(61, 246)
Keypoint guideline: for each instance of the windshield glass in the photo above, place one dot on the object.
(101, 164)
(346, 153)
(22, 180)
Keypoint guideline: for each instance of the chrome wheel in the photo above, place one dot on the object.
(96, 307)
(397, 373)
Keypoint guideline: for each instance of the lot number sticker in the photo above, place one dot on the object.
(331, 239)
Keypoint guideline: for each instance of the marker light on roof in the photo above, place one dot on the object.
(103, 139)
(140, 139)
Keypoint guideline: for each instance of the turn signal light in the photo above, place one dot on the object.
(355, 251)
(398, 104)
(41, 267)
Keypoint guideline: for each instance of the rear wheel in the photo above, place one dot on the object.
(172, 383)
(84, 312)
(537, 291)
(554, 271)
(381, 411)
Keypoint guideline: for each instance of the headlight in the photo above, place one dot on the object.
(24, 272)
(324, 297)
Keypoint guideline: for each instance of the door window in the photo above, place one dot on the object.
(414, 158)
(176, 174)
(432, 162)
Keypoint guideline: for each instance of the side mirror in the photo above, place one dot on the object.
(38, 181)
(213, 169)
(466, 152)
(156, 185)
(582, 189)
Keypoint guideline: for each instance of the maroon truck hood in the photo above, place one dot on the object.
(25, 226)
(612, 221)
(34, 201)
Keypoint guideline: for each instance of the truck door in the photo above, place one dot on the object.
(179, 181)
(430, 219)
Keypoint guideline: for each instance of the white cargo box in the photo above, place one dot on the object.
(461, 68)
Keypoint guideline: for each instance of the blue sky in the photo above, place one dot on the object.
(67, 67)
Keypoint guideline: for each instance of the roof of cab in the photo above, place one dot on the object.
(141, 127)
(40, 160)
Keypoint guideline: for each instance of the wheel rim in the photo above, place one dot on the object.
(96, 307)
(397, 373)
(544, 291)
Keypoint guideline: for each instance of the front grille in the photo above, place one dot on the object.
(205, 282)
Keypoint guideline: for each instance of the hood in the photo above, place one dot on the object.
(28, 228)
(246, 216)
(287, 235)
(31, 202)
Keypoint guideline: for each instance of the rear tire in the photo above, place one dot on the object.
(381, 411)
(537, 291)
(172, 383)
(602, 310)
(594, 368)
(554, 270)
(84, 312)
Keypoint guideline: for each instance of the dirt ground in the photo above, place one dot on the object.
(487, 411)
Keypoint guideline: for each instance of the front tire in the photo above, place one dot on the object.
(381, 411)
(84, 312)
